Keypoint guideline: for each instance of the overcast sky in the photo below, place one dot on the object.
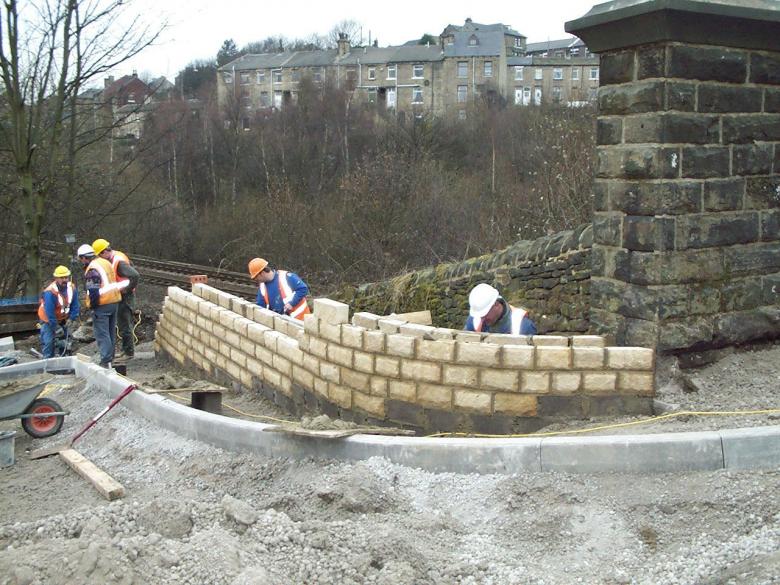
(197, 28)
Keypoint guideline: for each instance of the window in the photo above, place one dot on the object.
(473, 41)
(372, 73)
(260, 76)
(317, 74)
(558, 73)
(227, 77)
(417, 97)
(244, 78)
(594, 73)
(575, 73)
(575, 51)
(372, 95)
(265, 101)
(245, 123)
(351, 74)
(392, 71)
(390, 97)
(556, 93)
(296, 75)
(488, 68)
(559, 54)
(461, 114)
(463, 68)
(538, 73)
(526, 96)
(519, 72)
(462, 93)
(593, 93)
(277, 73)
(278, 99)
(518, 42)
(417, 71)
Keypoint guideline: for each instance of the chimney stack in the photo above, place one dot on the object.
(343, 44)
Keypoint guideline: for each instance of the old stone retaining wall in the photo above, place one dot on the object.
(549, 276)
(385, 371)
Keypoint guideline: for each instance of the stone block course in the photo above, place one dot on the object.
(503, 380)
(332, 312)
(474, 401)
(479, 354)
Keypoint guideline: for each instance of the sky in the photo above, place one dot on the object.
(197, 28)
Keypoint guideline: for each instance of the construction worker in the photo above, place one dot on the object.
(281, 291)
(489, 313)
(125, 273)
(103, 297)
(59, 302)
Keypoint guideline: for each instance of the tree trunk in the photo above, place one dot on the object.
(32, 218)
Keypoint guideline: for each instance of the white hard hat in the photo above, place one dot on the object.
(85, 250)
(481, 298)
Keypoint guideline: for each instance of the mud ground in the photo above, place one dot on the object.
(194, 514)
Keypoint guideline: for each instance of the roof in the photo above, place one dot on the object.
(488, 44)
(470, 26)
(553, 45)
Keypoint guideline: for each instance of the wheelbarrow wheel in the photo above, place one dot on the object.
(43, 426)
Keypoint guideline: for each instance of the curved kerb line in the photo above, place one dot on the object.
(734, 449)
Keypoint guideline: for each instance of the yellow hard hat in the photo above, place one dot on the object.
(61, 272)
(100, 244)
(256, 266)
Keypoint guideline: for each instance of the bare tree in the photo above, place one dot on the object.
(49, 49)
(352, 28)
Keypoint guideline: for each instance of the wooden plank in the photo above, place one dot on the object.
(337, 433)
(417, 317)
(108, 487)
(18, 326)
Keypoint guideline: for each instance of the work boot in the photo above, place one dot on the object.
(125, 355)
(106, 365)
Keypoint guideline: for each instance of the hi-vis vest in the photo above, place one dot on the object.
(62, 309)
(516, 320)
(299, 310)
(115, 260)
(109, 287)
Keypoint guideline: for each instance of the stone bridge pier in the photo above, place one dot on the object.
(686, 229)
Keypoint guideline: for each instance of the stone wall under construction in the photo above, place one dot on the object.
(379, 370)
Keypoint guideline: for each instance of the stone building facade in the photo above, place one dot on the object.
(471, 62)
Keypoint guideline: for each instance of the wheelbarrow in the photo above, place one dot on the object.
(41, 417)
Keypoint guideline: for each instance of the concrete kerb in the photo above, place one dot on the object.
(738, 449)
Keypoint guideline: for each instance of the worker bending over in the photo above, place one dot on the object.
(103, 296)
(489, 313)
(59, 302)
(125, 273)
(281, 291)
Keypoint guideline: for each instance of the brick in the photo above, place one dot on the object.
(707, 64)
(416, 330)
(332, 312)
(321, 387)
(281, 365)
(727, 98)
(289, 349)
(263, 316)
(535, 382)
(441, 333)
(390, 325)
(588, 358)
(340, 355)
(352, 336)
(423, 371)
(302, 377)
(479, 354)
(507, 339)
(703, 162)
(553, 358)
(311, 363)
(270, 338)
(364, 362)
(599, 382)
(247, 346)
(504, 380)
(566, 382)
(469, 336)
(402, 390)
(518, 356)
(233, 370)
(443, 351)
(630, 358)
(587, 341)
(227, 320)
(388, 366)
(434, 396)
(378, 386)
(374, 405)
(460, 375)
(473, 401)
(330, 372)
(401, 345)
(232, 339)
(637, 383)
(330, 332)
(356, 380)
(311, 324)
(340, 395)
(365, 320)
(374, 341)
(318, 347)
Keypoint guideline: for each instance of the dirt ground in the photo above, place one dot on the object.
(194, 514)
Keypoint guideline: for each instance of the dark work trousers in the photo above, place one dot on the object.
(104, 326)
(124, 320)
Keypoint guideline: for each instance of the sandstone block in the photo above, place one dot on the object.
(566, 382)
(535, 382)
(263, 354)
(587, 341)
(270, 338)
(318, 347)
(470, 336)
(550, 340)
(356, 380)
(311, 324)
(363, 362)
(599, 382)
(365, 320)
(402, 390)
(434, 396)
(254, 367)
(340, 355)
(288, 348)
(263, 316)
(460, 375)
(588, 358)
(328, 311)
(311, 364)
(636, 383)
(378, 386)
(272, 378)
(302, 377)
(352, 336)
(504, 380)
(519, 357)
(416, 330)
(330, 332)
(506, 339)
(553, 358)
(423, 371)
(390, 325)
(473, 401)
(320, 387)
(630, 358)
(441, 351)
(388, 366)
(227, 320)
(374, 405)
(340, 395)
(479, 354)
(374, 341)
(516, 404)
(282, 365)
(330, 372)
(443, 333)
(401, 345)
(238, 357)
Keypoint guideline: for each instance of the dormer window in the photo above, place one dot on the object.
(473, 41)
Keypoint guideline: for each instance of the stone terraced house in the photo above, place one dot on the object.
(471, 62)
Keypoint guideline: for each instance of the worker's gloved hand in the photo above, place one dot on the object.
(287, 308)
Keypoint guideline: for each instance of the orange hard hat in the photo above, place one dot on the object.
(256, 266)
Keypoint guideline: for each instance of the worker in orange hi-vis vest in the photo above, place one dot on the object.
(128, 276)
(59, 303)
(279, 290)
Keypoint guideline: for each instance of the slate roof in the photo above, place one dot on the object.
(553, 45)
(488, 44)
(469, 26)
